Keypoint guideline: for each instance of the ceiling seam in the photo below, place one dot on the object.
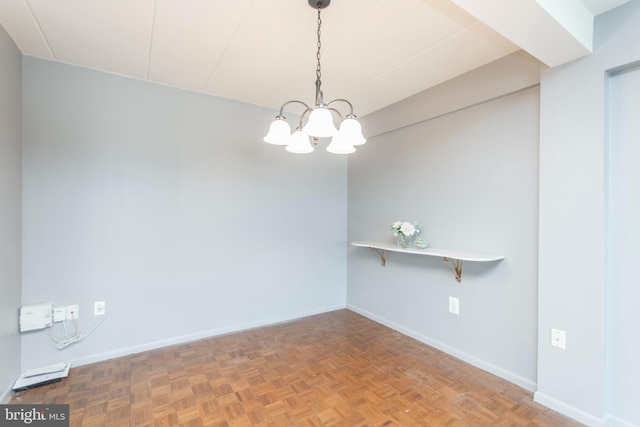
(412, 58)
(44, 38)
(226, 48)
(408, 60)
(151, 30)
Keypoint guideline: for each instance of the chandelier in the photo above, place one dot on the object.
(320, 121)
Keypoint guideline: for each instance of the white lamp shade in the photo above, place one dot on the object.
(279, 133)
(351, 130)
(340, 145)
(299, 143)
(340, 148)
(320, 124)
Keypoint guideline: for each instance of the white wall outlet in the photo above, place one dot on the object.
(72, 312)
(454, 305)
(559, 338)
(59, 314)
(99, 308)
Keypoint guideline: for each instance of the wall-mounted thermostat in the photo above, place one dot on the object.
(38, 316)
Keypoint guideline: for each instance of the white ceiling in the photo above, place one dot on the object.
(374, 52)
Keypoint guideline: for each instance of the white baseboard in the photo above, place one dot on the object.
(612, 421)
(568, 410)
(5, 396)
(479, 363)
(197, 336)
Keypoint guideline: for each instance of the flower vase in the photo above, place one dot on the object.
(404, 241)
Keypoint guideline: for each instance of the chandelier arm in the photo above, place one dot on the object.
(304, 113)
(292, 102)
(350, 115)
(336, 111)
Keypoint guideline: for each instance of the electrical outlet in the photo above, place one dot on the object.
(454, 305)
(99, 308)
(72, 312)
(559, 338)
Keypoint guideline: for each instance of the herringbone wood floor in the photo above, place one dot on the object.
(336, 368)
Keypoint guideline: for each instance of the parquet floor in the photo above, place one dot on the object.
(333, 369)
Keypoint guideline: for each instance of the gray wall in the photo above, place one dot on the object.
(622, 293)
(167, 205)
(10, 210)
(573, 218)
(471, 179)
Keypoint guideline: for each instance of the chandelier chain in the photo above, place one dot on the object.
(318, 72)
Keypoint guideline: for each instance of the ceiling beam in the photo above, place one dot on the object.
(555, 32)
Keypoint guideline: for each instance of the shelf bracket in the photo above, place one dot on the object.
(457, 266)
(382, 254)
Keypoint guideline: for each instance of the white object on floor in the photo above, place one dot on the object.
(42, 376)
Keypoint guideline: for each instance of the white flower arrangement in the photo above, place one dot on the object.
(406, 229)
(405, 232)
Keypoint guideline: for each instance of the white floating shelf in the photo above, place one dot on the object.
(453, 256)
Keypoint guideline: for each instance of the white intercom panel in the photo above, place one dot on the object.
(37, 316)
